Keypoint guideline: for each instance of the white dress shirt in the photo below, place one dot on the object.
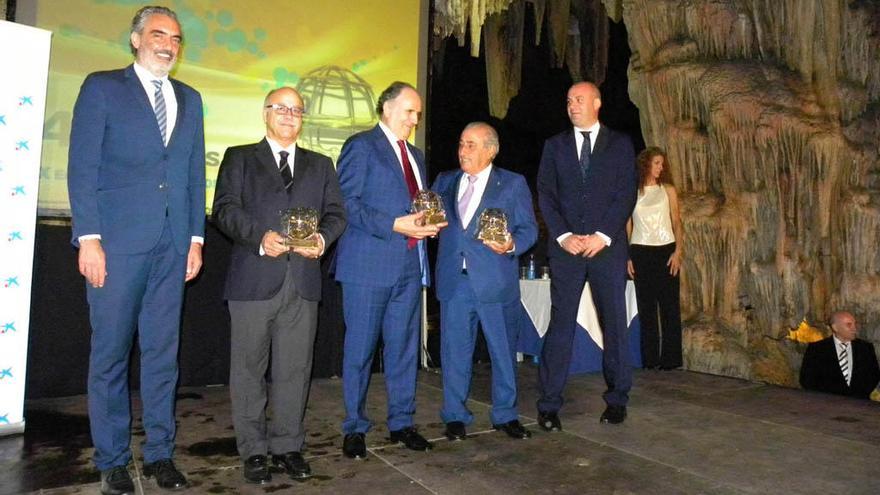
(276, 153)
(479, 189)
(146, 79)
(412, 161)
(579, 142)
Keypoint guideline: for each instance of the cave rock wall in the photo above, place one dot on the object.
(770, 113)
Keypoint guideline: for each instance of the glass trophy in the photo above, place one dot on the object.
(298, 227)
(493, 226)
(431, 203)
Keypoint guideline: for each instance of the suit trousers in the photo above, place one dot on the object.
(608, 286)
(657, 291)
(142, 292)
(283, 327)
(458, 333)
(391, 312)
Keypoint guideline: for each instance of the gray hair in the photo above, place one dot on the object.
(140, 19)
(492, 140)
(390, 93)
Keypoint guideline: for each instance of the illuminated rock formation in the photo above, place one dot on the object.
(770, 111)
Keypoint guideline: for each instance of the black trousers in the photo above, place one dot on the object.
(657, 292)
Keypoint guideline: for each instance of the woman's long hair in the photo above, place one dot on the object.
(644, 164)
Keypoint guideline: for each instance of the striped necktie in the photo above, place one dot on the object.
(843, 359)
(159, 109)
(284, 168)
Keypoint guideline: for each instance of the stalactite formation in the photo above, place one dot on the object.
(770, 111)
(577, 31)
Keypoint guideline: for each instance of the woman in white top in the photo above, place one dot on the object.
(656, 240)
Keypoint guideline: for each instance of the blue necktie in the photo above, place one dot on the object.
(585, 154)
(161, 114)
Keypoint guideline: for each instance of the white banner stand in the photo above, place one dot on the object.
(25, 64)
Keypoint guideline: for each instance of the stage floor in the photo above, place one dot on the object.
(686, 433)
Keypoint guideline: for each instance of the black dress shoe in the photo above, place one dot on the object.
(354, 446)
(514, 430)
(549, 421)
(167, 476)
(613, 414)
(293, 464)
(411, 439)
(455, 431)
(256, 470)
(116, 481)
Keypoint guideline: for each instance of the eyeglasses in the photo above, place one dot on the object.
(286, 110)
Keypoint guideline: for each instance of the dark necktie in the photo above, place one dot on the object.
(843, 358)
(159, 108)
(411, 183)
(285, 170)
(585, 154)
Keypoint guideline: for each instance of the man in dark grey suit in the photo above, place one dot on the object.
(272, 290)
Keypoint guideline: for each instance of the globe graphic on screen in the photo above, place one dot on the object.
(338, 104)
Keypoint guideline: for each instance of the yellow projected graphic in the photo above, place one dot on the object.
(339, 53)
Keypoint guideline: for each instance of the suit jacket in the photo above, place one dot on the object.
(122, 179)
(248, 201)
(603, 202)
(370, 253)
(820, 369)
(495, 278)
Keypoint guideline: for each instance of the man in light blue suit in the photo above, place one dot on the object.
(382, 265)
(478, 281)
(136, 180)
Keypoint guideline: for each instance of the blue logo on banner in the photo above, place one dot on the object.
(18, 190)
(7, 373)
(22, 145)
(15, 236)
(4, 419)
(25, 100)
(11, 282)
(3, 119)
(8, 327)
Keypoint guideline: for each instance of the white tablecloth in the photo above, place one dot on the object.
(535, 297)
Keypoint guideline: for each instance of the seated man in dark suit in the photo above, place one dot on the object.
(841, 364)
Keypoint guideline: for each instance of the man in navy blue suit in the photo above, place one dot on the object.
(478, 281)
(136, 180)
(382, 265)
(587, 183)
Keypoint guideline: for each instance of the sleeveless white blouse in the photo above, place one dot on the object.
(652, 219)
